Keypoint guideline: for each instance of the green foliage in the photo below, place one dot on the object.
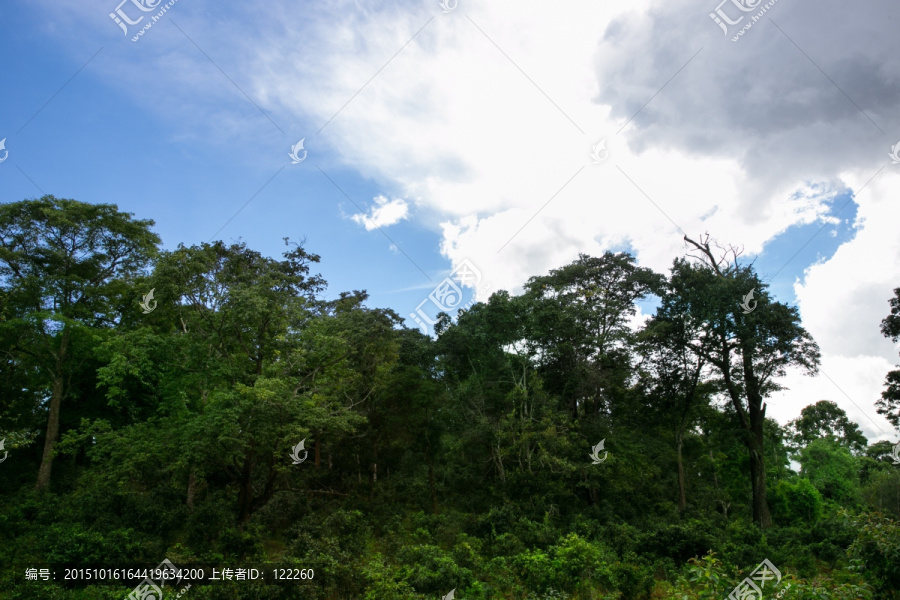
(882, 493)
(384, 582)
(706, 575)
(825, 419)
(877, 546)
(572, 565)
(889, 403)
(457, 463)
(832, 469)
(796, 502)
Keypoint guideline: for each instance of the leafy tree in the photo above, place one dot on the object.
(676, 379)
(749, 349)
(881, 491)
(831, 469)
(64, 268)
(371, 346)
(889, 404)
(501, 404)
(578, 327)
(826, 419)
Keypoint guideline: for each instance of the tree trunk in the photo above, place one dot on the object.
(758, 478)
(761, 514)
(682, 500)
(245, 497)
(317, 453)
(752, 423)
(498, 461)
(430, 460)
(374, 466)
(192, 488)
(43, 478)
(434, 504)
(757, 414)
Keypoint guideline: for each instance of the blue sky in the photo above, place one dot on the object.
(95, 143)
(467, 134)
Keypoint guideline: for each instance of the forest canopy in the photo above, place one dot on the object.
(538, 445)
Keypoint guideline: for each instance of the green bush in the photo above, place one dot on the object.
(832, 469)
(877, 547)
(705, 579)
(882, 493)
(633, 577)
(680, 541)
(430, 569)
(795, 502)
(572, 565)
(74, 543)
(383, 582)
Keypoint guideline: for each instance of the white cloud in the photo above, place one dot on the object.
(384, 213)
(746, 141)
(742, 143)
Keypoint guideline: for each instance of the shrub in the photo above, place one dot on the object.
(383, 582)
(430, 569)
(877, 546)
(795, 502)
(573, 564)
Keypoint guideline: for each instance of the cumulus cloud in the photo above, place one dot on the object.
(384, 213)
(490, 131)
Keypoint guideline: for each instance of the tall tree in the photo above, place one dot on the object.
(579, 326)
(249, 360)
(749, 338)
(674, 376)
(889, 404)
(826, 419)
(64, 266)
